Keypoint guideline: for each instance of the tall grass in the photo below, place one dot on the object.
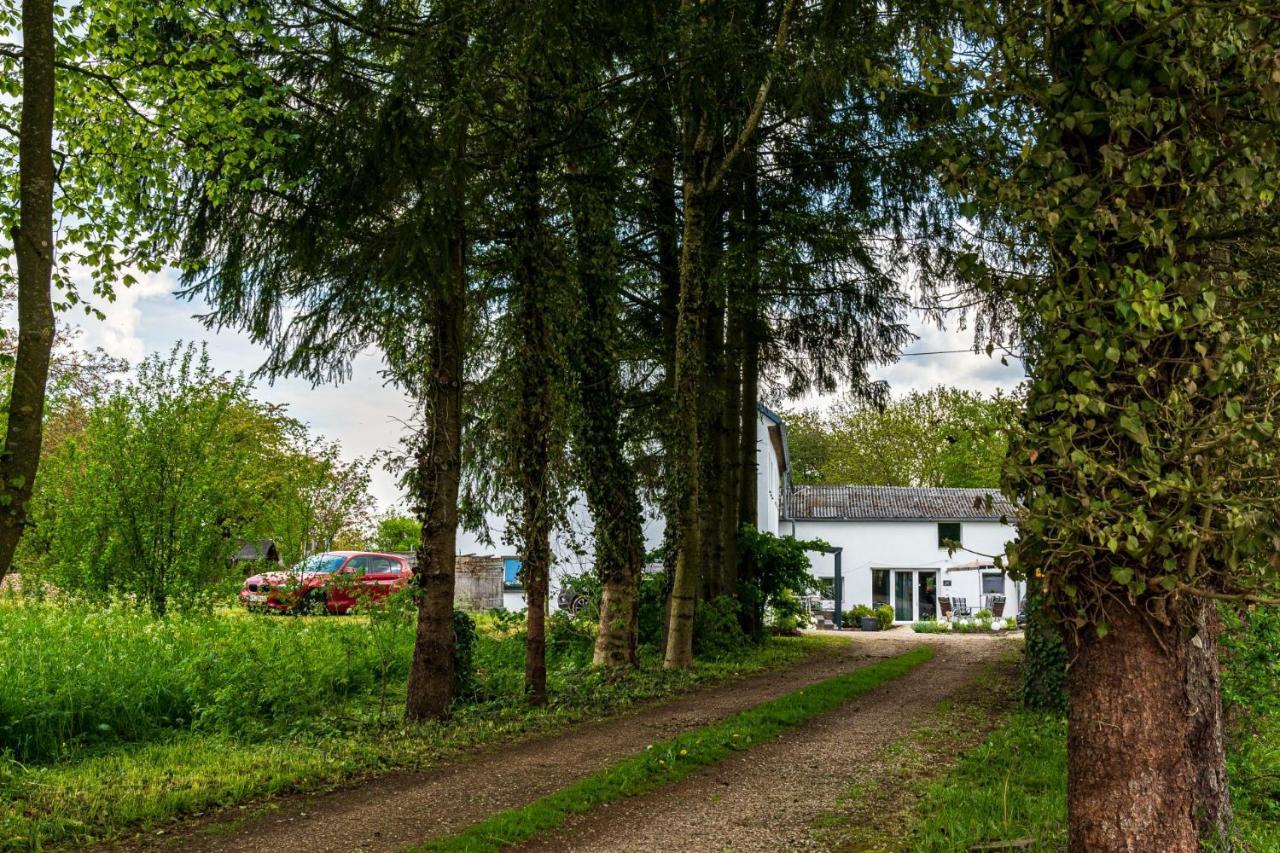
(72, 676)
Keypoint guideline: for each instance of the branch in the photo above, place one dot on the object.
(757, 109)
(1246, 597)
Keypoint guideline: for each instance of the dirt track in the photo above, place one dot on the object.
(768, 798)
(750, 800)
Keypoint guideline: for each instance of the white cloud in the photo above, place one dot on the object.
(119, 333)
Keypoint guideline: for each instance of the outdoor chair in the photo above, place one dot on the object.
(944, 606)
(996, 606)
(960, 607)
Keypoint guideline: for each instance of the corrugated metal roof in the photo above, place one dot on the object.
(870, 503)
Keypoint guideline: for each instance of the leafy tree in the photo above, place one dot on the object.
(1128, 154)
(773, 567)
(397, 533)
(174, 469)
(131, 114)
(940, 437)
(146, 502)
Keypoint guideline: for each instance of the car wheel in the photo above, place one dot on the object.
(578, 604)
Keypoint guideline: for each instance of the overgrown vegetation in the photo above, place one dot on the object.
(112, 718)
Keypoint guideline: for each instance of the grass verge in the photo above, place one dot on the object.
(1011, 788)
(102, 792)
(1014, 788)
(671, 760)
(875, 814)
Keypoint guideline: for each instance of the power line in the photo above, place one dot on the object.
(952, 352)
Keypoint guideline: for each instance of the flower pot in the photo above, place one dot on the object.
(869, 623)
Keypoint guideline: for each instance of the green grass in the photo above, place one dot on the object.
(670, 760)
(205, 712)
(1013, 786)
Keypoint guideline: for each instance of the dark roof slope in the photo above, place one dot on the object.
(870, 503)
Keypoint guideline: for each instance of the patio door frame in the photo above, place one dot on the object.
(914, 588)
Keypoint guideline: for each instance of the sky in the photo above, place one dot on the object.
(366, 416)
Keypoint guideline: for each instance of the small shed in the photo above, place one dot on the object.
(478, 582)
(252, 554)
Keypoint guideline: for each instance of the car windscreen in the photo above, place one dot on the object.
(321, 563)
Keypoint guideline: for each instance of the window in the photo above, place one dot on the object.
(948, 530)
(357, 565)
(382, 566)
(879, 587)
(992, 583)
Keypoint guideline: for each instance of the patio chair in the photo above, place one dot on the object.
(996, 606)
(960, 607)
(944, 606)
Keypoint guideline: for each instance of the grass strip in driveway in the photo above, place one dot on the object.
(671, 760)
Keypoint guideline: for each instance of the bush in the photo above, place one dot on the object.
(652, 610)
(768, 565)
(884, 616)
(464, 652)
(789, 613)
(930, 627)
(717, 632)
(983, 614)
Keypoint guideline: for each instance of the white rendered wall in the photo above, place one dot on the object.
(908, 545)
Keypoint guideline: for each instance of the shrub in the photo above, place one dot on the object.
(983, 614)
(884, 616)
(789, 612)
(768, 565)
(464, 651)
(652, 610)
(930, 627)
(716, 630)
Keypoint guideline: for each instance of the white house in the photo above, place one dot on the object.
(892, 545)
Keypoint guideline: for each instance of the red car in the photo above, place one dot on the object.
(334, 580)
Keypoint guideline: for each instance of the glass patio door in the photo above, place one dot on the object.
(927, 586)
(903, 601)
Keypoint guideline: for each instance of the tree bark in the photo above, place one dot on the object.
(533, 309)
(689, 387)
(747, 447)
(1130, 781)
(1205, 745)
(610, 481)
(439, 464)
(439, 458)
(33, 249)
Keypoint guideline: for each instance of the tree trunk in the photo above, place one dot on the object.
(712, 444)
(534, 425)
(689, 388)
(439, 463)
(610, 482)
(1205, 744)
(439, 458)
(1130, 782)
(33, 249)
(747, 447)
(730, 439)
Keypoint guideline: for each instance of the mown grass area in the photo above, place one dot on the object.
(669, 761)
(1014, 787)
(112, 720)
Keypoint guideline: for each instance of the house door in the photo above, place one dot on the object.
(927, 589)
(903, 600)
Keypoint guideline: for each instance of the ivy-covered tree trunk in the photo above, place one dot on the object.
(533, 328)
(607, 475)
(1131, 784)
(33, 249)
